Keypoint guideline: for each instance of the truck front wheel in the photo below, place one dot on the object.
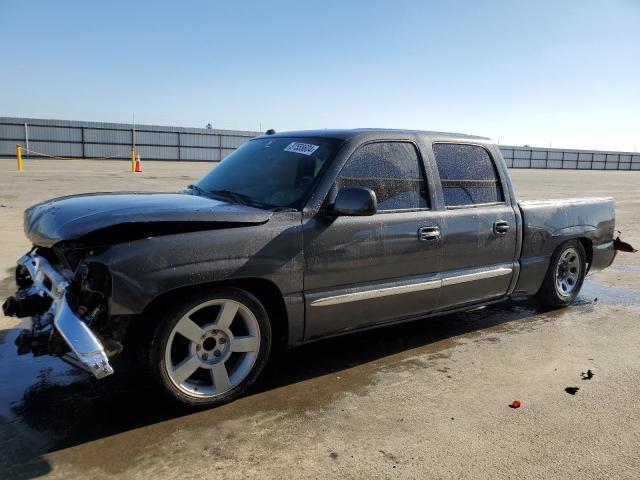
(211, 348)
(565, 275)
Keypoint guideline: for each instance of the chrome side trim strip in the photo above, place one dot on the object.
(479, 275)
(375, 293)
(415, 287)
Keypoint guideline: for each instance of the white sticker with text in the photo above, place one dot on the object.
(303, 148)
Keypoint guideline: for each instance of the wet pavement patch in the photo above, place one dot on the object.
(51, 406)
(624, 268)
(592, 289)
(63, 407)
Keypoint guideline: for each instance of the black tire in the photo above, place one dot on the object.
(168, 331)
(552, 293)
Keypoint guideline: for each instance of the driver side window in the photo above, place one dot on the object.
(392, 170)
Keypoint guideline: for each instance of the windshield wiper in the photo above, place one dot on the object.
(235, 196)
(240, 198)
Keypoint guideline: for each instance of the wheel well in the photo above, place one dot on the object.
(587, 244)
(264, 290)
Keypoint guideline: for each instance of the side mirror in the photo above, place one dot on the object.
(355, 202)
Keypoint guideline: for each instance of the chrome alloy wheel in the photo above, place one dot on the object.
(212, 348)
(568, 272)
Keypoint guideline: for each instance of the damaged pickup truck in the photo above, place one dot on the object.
(294, 237)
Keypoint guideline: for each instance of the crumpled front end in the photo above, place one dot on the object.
(59, 326)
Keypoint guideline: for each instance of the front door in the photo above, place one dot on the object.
(362, 271)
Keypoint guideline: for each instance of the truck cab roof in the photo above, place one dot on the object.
(348, 134)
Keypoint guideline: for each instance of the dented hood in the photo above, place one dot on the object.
(72, 217)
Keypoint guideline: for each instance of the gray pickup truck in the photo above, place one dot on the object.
(292, 238)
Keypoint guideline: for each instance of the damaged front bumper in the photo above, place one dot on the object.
(84, 348)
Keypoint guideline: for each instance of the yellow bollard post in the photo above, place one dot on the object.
(19, 156)
(133, 160)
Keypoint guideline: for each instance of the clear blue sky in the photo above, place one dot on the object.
(534, 72)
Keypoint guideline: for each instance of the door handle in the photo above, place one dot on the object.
(429, 234)
(501, 227)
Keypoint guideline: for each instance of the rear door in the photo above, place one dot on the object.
(479, 230)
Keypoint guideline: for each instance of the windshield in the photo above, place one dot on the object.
(271, 172)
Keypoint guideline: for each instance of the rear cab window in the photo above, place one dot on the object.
(468, 175)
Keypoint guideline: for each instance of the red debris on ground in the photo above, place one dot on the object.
(515, 404)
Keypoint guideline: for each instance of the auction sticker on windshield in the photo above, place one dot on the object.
(303, 148)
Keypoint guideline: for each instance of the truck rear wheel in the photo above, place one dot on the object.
(211, 348)
(565, 275)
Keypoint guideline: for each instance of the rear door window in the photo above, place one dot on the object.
(468, 175)
(392, 170)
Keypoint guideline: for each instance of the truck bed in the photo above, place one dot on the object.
(548, 223)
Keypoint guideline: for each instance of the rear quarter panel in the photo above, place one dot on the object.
(549, 223)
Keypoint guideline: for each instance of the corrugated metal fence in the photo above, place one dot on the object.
(73, 139)
(533, 157)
